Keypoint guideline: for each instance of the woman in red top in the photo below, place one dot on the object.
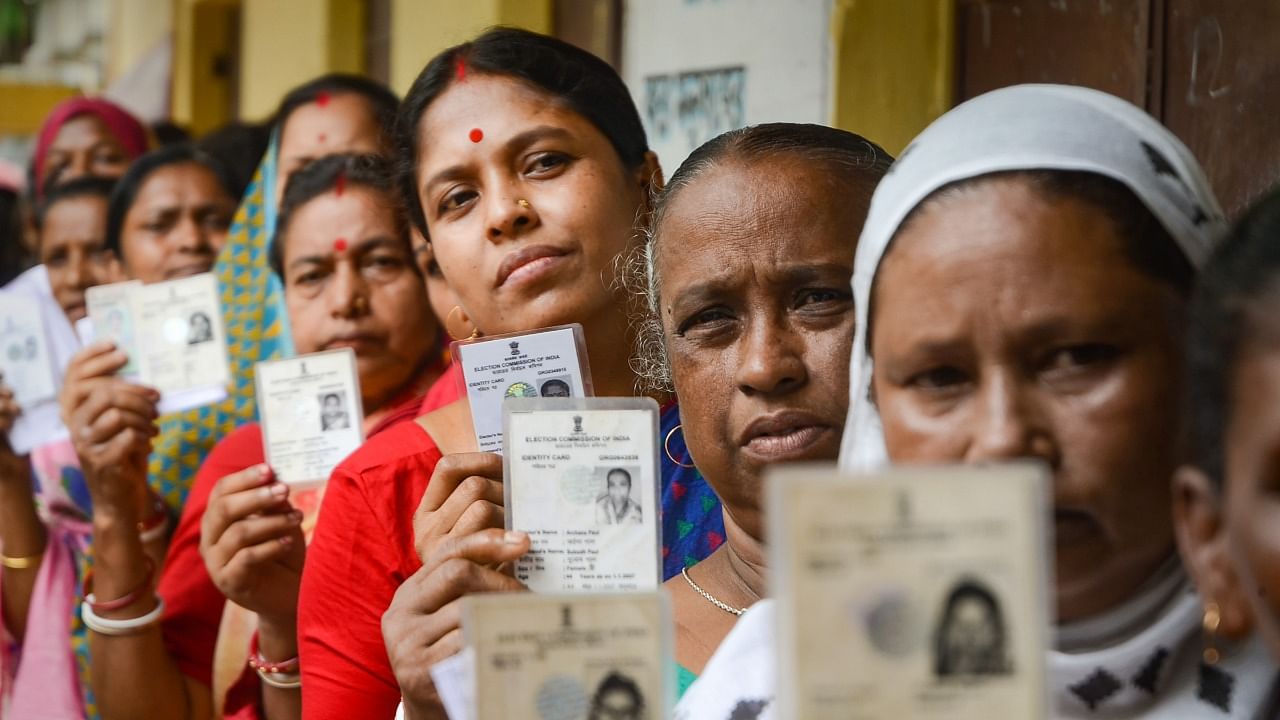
(350, 281)
(528, 171)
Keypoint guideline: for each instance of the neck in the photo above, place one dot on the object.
(745, 559)
(609, 345)
(378, 407)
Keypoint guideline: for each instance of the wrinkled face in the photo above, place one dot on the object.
(527, 220)
(349, 282)
(342, 123)
(619, 487)
(73, 249)
(1252, 503)
(757, 317)
(83, 147)
(1008, 325)
(176, 225)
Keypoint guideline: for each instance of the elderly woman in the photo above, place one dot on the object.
(1224, 501)
(1022, 286)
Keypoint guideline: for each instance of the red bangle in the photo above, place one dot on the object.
(159, 516)
(129, 599)
(263, 665)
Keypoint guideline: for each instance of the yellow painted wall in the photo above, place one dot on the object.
(136, 27)
(287, 42)
(23, 107)
(894, 67)
(422, 28)
(204, 31)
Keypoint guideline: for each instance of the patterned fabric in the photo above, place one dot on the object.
(256, 328)
(692, 524)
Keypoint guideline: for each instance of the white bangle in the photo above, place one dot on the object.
(132, 626)
(284, 681)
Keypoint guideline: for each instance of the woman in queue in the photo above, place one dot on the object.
(350, 281)
(1224, 499)
(526, 167)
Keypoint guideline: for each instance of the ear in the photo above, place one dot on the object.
(649, 176)
(1198, 524)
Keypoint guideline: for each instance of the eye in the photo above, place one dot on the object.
(217, 221)
(57, 258)
(1080, 357)
(821, 298)
(705, 321)
(310, 277)
(456, 199)
(944, 377)
(546, 164)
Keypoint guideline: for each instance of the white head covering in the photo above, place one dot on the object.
(1025, 127)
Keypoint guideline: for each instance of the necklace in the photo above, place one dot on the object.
(709, 597)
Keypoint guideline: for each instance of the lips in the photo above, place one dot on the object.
(1073, 526)
(354, 340)
(527, 263)
(187, 270)
(785, 435)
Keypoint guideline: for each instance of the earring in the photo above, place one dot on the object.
(1212, 620)
(360, 304)
(448, 325)
(1215, 686)
(666, 447)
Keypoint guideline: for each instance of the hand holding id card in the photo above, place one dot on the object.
(578, 656)
(550, 363)
(916, 592)
(311, 414)
(581, 477)
(172, 333)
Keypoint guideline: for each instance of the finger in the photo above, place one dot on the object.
(129, 442)
(486, 547)
(458, 577)
(446, 647)
(240, 495)
(113, 421)
(95, 360)
(452, 470)
(472, 489)
(116, 393)
(246, 561)
(257, 529)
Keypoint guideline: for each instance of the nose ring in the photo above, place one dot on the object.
(523, 203)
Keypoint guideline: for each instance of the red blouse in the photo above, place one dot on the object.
(362, 550)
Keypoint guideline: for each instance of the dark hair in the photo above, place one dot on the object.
(127, 187)
(88, 186)
(1147, 243)
(14, 256)
(617, 682)
(239, 147)
(372, 172)
(969, 589)
(623, 471)
(1233, 309)
(577, 79)
(855, 165)
(381, 100)
(330, 396)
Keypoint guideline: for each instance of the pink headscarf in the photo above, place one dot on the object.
(122, 125)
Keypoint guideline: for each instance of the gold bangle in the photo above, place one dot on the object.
(20, 563)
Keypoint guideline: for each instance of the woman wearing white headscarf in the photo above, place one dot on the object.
(1021, 287)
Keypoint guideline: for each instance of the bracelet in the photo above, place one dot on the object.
(106, 626)
(130, 598)
(263, 665)
(20, 563)
(157, 525)
(284, 681)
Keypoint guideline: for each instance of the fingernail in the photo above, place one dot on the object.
(286, 540)
(513, 537)
(264, 471)
(280, 490)
(295, 517)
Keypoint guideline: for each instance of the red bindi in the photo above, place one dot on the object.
(320, 137)
(476, 135)
(340, 245)
(322, 99)
(340, 184)
(459, 69)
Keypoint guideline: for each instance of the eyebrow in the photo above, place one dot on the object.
(516, 142)
(360, 246)
(788, 276)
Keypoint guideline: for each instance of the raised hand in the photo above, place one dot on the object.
(252, 543)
